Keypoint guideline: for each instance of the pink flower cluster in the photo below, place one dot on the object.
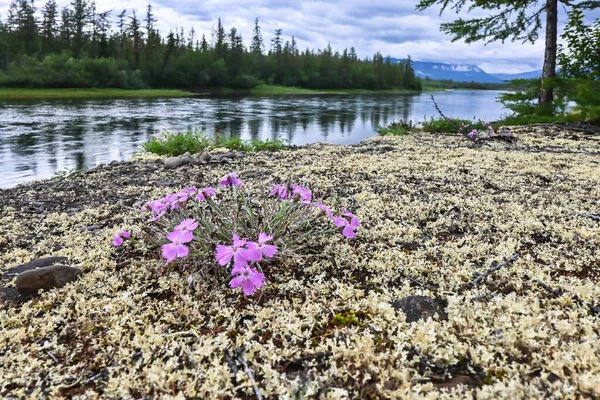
(243, 252)
(348, 222)
(174, 201)
(293, 192)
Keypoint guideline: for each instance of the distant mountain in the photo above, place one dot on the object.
(523, 75)
(456, 72)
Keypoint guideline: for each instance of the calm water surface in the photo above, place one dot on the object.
(39, 139)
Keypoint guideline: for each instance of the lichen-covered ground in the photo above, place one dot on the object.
(435, 211)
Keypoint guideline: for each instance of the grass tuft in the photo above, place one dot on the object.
(194, 142)
(399, 128)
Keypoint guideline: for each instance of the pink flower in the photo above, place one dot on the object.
(171, 201)
(205, 194)
(231, 180)
(237, 251)
(119, 236)
(249, 279)
(280, 191)
(185, 194)
(157, 207)
(177, 248)
(325, 209)
(302, 193)
(187, 225)
(473, 133)
(349, 224)
(260, 249)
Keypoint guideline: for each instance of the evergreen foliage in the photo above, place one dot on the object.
(79, 47)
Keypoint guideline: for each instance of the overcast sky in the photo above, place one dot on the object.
(391, 27)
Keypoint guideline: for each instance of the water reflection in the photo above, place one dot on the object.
(37, 139)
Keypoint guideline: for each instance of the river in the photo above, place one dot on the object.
(40, 138)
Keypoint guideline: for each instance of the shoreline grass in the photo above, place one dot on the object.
(72, 93)
(263, 90)
(195, 142)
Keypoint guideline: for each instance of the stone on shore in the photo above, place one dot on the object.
(55, 276)
(172, 162)
(39, 263)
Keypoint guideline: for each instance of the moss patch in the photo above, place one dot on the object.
(436, 213)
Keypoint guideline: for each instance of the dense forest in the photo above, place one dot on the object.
(77, 46)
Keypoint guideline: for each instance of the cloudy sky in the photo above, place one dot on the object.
(391, 27)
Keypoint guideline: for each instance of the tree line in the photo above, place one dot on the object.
(78, 46)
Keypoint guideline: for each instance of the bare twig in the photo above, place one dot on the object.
(103, 372)
(592, 216)
(557, 292)
(437, 108)
(417, 282)
(240, 357)
(493, 268)
(53, 357)
(589, 131)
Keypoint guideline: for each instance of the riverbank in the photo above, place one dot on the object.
(266, 90)
(498, 240)
(40, 94)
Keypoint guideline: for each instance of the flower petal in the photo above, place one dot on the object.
(348, 231)
(169, 251)
(224, 254)
(269, 250)
(117, 241)
(263, 237)
(237, 281)
(339, 222)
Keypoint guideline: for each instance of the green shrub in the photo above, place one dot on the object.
(452, 125)
(399, 128)
(175, 144)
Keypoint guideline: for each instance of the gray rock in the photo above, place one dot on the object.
(186, 160)
(9, 294)
(419, 308)
(39, 263)
(164, 182)
(172, 162)
(205, 157)
(89, 228)
(55, 276)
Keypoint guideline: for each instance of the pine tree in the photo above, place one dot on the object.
(49, 26)
(257, 46)
(103, 21)
(220, 44)
(514, 20)
(81, 18)
(136, 36)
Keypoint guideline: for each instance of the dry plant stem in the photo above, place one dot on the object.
(53, 357)
(589, 131)
(495, 267)
(592, 216)
(248, 371)
(559, 292)
(458, 128)
(418, 282)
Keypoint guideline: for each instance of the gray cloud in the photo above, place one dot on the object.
(393, 28)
